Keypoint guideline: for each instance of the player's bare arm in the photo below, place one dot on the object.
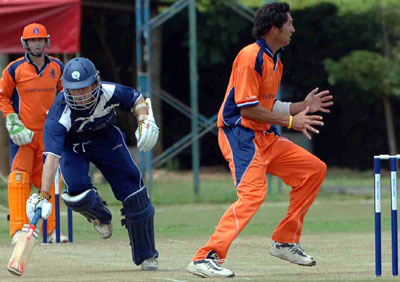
(315, 101)
(300, 122)
(49, 172)
(260, 114)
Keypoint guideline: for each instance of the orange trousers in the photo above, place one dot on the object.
(251, 155)
(29, 159)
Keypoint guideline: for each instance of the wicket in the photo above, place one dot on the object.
(377, 204)
(57, 211)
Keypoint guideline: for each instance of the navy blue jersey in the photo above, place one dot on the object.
(67, 127)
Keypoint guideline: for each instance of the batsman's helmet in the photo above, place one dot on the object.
(80, 73)
(34, 30)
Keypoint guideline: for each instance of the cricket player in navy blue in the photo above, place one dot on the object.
(80, 128)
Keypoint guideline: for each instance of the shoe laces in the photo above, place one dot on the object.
(297, 249)
(215, 258)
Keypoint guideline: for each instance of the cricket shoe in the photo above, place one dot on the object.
(291, 252)
(52, 238)
(15, 237)
(105, 230)
(209, 267)
(150, 264)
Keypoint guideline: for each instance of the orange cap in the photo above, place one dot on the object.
(34, 30)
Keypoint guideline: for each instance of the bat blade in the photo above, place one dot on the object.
(24, 246)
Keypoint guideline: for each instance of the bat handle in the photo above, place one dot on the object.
(36, 217)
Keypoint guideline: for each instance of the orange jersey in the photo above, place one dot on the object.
(255, 78)
(28, 91)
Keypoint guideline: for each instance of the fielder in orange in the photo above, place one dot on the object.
(27, 90)
(253, 150)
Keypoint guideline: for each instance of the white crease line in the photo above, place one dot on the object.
(3, 208)
(176, 241)
(170, 279)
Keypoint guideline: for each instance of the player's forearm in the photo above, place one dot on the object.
(49, 172)
(296, 108)
(260, 114)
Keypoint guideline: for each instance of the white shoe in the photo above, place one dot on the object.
(291, 252)
(15, 237)
(52, 238)
(105, 230)
(209, 267)
(150, 264)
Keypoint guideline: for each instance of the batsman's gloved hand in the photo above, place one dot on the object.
(147, 131)
(19, 134)
(36, 201)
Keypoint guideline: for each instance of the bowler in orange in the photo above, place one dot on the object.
(253, 149)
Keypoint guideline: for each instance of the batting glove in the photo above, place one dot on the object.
(19, 134)
(147, 131)
(34, 202)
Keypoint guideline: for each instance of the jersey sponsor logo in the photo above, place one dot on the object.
(110, 107)
(39, 90)
(53, 73)
(265, 96)
(76, 75)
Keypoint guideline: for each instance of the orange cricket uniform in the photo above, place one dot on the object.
(28, 91)
(252, 151)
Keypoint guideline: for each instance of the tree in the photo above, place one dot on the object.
(377, 74)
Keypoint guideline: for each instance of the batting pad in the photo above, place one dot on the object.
(89, 204)
(139, 216)
(19, 188)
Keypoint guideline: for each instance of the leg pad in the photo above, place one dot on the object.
(139, 215)
(19, 189)
(90, 205)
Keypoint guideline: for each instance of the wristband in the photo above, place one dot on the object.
(139, 106)
(290, 122)
(45, 195)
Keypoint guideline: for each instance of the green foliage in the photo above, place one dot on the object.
(363, 67)
(345, 6)
(370, 71)
(220, 28)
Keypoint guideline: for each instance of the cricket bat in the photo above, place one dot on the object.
(24, 246)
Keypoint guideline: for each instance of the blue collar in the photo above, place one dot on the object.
(46, 62)
(264, 46)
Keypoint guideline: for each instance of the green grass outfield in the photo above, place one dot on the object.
(338, 232)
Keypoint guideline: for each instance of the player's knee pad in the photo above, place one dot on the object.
(139, 215)
(89, 204)
(19, 179)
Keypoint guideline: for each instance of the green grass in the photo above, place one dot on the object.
(217, 191)
(338, 230)
(176, 188)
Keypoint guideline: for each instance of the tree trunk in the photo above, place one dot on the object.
(4, 154)
(391, 136)
(385, 36)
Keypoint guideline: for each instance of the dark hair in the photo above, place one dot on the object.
(274, 14)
